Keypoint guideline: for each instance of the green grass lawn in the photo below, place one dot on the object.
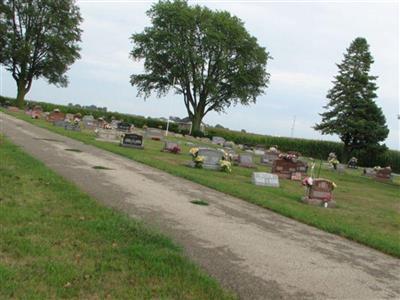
(367, 211)
(57, 242)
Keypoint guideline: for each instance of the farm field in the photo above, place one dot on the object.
(57, 242)
(367, 211)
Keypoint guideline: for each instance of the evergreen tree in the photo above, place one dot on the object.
(352, 112)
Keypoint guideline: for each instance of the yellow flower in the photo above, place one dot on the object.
(193, 151)
(225, 165)
(199, 159)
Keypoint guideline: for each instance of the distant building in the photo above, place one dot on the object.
(186, 124)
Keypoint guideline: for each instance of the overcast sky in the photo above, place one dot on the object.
(306, 40)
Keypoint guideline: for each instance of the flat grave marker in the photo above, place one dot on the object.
(107, 135)
(265, 179)
(154, 134)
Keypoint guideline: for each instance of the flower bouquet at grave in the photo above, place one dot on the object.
(193, 152)
(224, 153)
(334, 162)
(175, 150)
(309, 181)
(288, 157)
(225, 166)
(197, 159)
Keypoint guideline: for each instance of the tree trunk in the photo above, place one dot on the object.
(21, 94)
(196, 123)
(346, 154)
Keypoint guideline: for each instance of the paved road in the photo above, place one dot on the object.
(253, 251)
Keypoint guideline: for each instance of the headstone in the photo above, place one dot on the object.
(89, 122)
(301, 167)
(124, 126)
(265, 179)
(246, 161)
(88, 118)
(212, 158)
(296, 176)
(154, 134)
(37, 112)
(72, 126)
(60, 123)
(114, 124)
(218, 140)
(230, 153)
(340, 168)
(370, 172)
(284, 168)
(352, 164)
(259, 152)
(171, 147)
(107, 135)
(320, 193)
(69, 117)
(56, 115)
(229, 144)
(13, 109)
(132, 140)
(383, 174)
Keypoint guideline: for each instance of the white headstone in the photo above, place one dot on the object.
(259, 152)
(265, 179)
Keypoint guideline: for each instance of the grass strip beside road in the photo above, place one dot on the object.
(368, 211)
(57, 242)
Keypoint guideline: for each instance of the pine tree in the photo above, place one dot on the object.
(352, 112)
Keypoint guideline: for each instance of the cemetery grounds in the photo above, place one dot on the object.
(367, 211)
(122, 258)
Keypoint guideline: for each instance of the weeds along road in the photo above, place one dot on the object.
(251, 250)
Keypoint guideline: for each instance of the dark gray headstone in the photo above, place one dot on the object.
(124, 126)
(132, 140)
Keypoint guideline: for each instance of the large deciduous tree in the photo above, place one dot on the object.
(351, 111)
(39, 38)
(206, 56)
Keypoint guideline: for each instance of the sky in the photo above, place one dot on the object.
(305, 38)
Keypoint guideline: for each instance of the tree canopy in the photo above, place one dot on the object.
(351, 111)
(206, 56)
(38, 38)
